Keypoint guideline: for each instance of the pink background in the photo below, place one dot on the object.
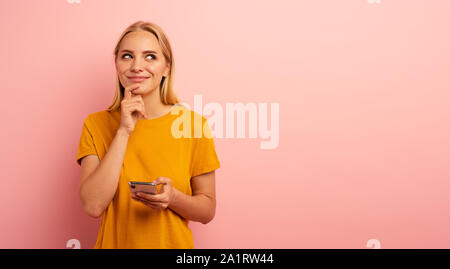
(364, 93)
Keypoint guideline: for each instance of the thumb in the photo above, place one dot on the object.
(161, 180)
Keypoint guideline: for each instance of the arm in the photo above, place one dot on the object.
(99, 180)
(201, 206)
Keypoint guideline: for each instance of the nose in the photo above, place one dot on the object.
(136, 65)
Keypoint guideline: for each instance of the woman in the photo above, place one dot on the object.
(133, 140)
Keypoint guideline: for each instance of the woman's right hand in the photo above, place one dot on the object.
(131, 108)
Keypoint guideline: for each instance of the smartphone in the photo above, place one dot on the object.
(147, 187)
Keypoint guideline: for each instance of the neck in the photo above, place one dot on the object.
(153, 105)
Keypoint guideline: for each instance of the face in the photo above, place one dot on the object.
(140, 56)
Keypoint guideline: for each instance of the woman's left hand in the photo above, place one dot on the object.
(159, 201)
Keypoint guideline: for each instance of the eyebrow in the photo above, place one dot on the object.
(147, 51)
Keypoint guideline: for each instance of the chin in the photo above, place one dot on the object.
(143, 91)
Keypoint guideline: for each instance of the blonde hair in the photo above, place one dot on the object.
(166, 91)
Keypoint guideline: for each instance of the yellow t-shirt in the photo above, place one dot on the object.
(155, 149)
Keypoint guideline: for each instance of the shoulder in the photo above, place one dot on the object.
(188, 111)
(199, 124)
(102, 117)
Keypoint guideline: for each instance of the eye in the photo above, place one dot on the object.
(123, 56)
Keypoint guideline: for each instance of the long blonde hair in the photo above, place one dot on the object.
(166, 91)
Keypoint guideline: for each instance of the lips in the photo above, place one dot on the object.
(137, 78)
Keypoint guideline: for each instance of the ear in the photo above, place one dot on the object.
(167, 70)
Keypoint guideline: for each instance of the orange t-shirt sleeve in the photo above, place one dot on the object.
(204, 157)
(86, 144)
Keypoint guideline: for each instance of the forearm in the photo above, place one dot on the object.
(199, 208)
(99, 188)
